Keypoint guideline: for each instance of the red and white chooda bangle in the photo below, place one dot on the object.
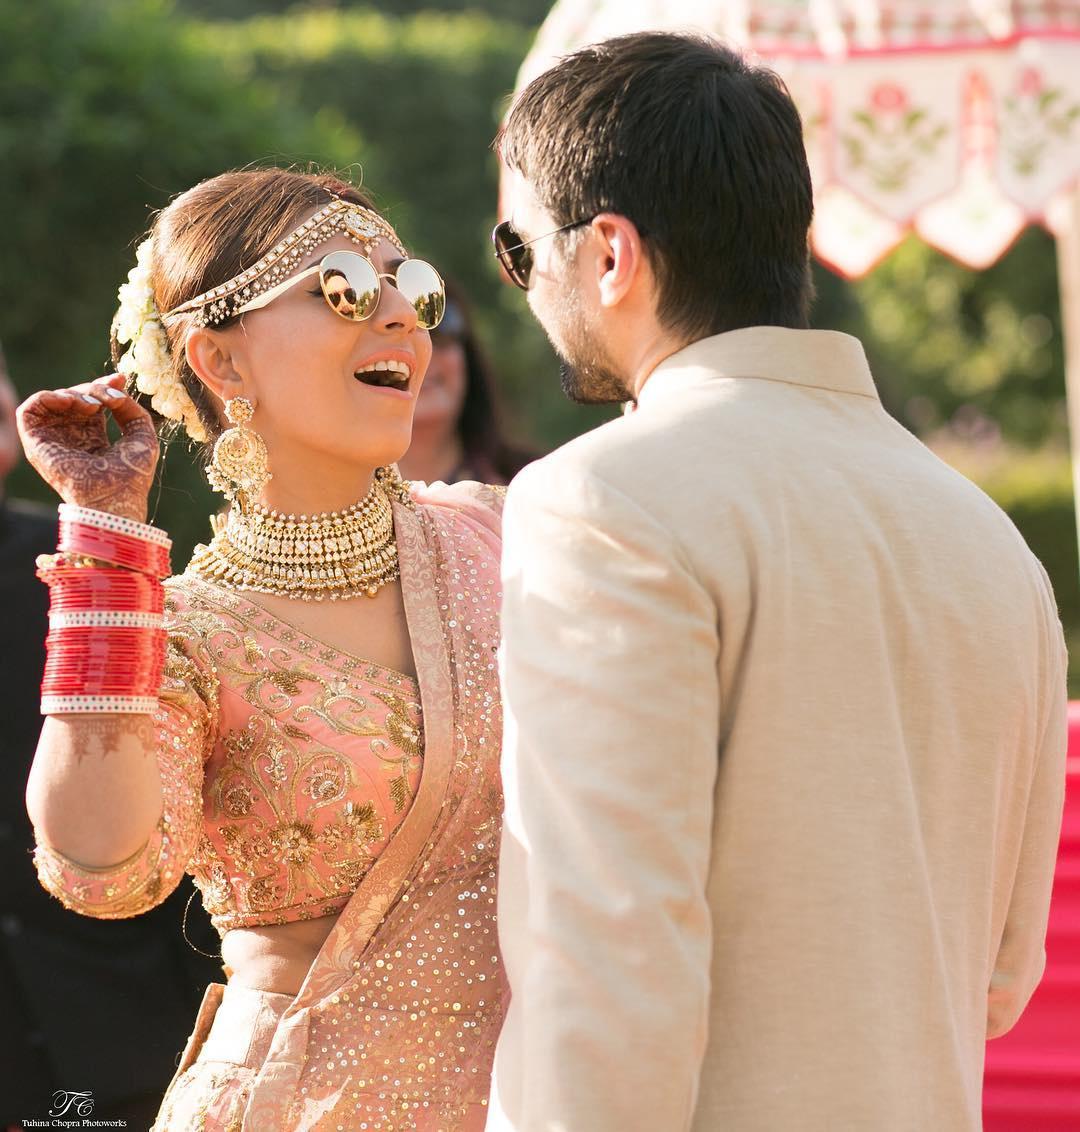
(106, 642)
(114, 539)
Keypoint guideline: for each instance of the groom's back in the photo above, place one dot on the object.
(784, 696)
(889, 764)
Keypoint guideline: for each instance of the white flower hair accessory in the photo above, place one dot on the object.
(137, 324)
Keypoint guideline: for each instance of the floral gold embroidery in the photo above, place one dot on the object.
(294, 826)
(252, 653)
(350, 873)
(288, 680)
(263, 895)
(326, 784)
(209, 874)
(399, 792)
(277, 758)
(293, 843)
(238, 800)
(345, 713)
(358, 824)
(239, 743)
(403, 731)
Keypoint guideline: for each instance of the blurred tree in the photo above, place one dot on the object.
(106, 111)
(1036, 490)
(975, 351)
(530, 13)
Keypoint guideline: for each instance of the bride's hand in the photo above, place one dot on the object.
(64, 437)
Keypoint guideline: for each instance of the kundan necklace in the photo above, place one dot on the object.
(335, 555)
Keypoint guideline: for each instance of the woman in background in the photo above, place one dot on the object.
(457, 427)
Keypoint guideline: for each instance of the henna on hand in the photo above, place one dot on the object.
(64, 436)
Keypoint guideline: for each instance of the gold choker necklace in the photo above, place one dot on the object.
(336, 555)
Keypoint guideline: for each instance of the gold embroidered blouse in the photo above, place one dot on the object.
(294, 763)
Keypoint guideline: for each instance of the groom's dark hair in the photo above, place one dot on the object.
(701, 150)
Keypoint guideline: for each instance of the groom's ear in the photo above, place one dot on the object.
(620, 260)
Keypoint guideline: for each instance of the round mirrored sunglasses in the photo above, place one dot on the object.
(352, 285)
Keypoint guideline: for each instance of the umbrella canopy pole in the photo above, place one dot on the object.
(1068, 249)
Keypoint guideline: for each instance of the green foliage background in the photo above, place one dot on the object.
(110, 107)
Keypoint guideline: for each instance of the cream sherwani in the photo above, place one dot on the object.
(784, 762)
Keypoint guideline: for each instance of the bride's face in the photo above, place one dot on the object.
(310, 370)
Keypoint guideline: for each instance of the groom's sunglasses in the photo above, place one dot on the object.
(515, 254)
(351, 286)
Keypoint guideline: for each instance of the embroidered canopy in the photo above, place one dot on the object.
(958, 119)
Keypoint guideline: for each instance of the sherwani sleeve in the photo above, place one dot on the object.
(610, 757)
(1021, 955)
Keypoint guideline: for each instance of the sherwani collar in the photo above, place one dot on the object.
(818, 359)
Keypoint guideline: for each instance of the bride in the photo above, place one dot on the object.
(306, 719)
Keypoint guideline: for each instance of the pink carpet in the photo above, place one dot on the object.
(1033, 1072)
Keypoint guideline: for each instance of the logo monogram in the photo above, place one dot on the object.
(64, 1100)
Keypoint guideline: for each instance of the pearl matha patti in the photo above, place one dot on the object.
(360, 225)
(333, 556)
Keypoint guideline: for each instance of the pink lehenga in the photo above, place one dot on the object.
(395, 1025)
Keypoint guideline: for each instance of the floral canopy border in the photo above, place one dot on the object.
(958, 119)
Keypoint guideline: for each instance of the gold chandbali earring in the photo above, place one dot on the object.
(240, 465)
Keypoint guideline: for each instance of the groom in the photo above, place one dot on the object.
(785, 695)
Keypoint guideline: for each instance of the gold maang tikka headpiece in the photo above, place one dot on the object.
(363, 226)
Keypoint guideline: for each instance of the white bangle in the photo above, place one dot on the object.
(105, 521)
(99, 705)
(107, 618)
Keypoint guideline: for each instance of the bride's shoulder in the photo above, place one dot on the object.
(197, 606)
(179, 594)
(467, 500)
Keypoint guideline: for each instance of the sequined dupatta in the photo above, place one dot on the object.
(395, 1024)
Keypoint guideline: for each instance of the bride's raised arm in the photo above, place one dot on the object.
(114, 790)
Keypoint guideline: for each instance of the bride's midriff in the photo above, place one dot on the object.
(276, 957)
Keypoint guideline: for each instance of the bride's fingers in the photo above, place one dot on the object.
(81, 402)
(110, 387)
(126, 411)
(43, 406)
(58, 398)
(133, 418)
(94, 394)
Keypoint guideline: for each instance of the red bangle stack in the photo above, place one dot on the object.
(114, 539)
(77, 589)
(106, 642)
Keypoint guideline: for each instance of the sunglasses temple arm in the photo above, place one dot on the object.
(278, 289)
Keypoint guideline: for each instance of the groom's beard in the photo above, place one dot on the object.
(589, 383)
(587, 374)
